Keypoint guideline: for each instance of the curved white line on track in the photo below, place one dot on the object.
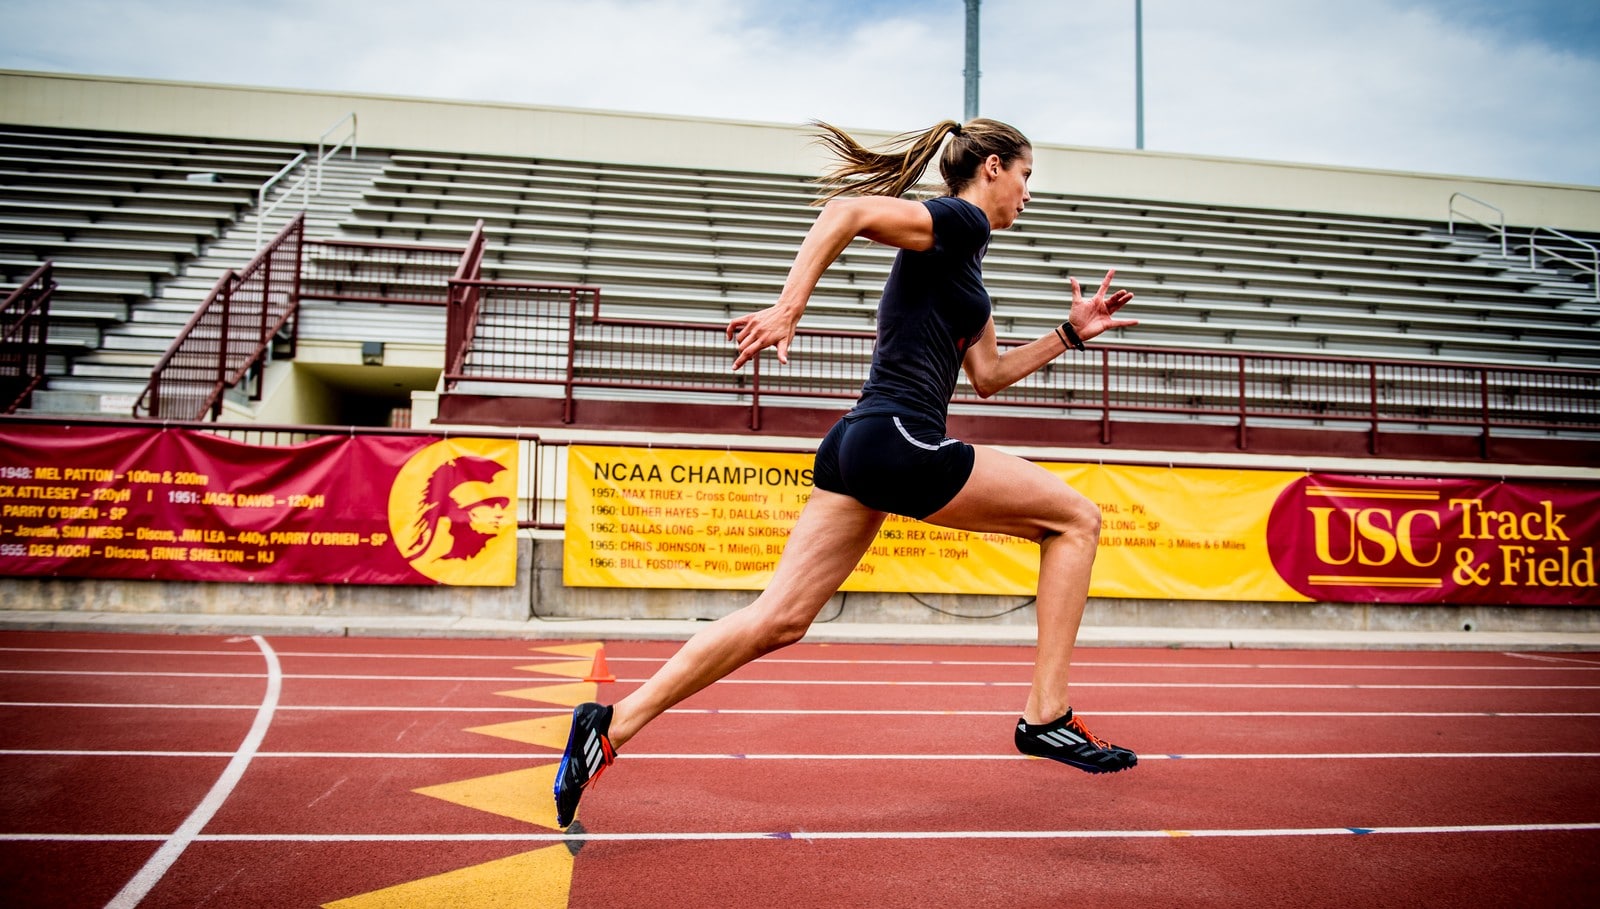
(147, 877)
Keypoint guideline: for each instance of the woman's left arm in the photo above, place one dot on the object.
(991, 371)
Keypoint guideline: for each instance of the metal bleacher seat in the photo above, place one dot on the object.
(118, 214)
(677, 244)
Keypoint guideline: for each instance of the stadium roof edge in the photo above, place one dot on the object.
(124, 104)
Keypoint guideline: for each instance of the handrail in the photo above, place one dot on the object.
(1594, 252)
(1592, 267)
(263, 209)
(351, 138)
(228, 339)
(210, 355)
(304, 183)
(461, 318)
(25, 338)
(1501, 230)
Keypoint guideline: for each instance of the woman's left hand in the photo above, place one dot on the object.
(1097, 314)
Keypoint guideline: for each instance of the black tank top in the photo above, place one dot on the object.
(934, 307)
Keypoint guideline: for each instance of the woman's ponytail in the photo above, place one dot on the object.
(894, 170)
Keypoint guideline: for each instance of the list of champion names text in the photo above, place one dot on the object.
(54, 512)
(736, 531)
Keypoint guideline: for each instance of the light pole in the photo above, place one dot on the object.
(1138, 73)
(971, 72)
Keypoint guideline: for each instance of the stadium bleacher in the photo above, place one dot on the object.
(707, 246)
(140, 227)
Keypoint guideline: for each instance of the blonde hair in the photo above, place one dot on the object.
(896, 168)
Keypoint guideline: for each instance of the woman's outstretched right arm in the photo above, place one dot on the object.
(894, 222)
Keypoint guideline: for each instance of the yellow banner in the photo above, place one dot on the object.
(673, 518)
(1182, 533)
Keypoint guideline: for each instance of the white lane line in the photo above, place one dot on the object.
(1583, 664)
(914, 683)
(1573, 664)
(294, 654)
(1213, 685)
(1143, 756)
(1580, 665)
(286, 708)
(716, 756)
(587, 836)
(843, 711)
(147, 877)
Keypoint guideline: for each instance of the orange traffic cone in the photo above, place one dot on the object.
(598, 672)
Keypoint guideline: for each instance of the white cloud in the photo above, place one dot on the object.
(1395, 84)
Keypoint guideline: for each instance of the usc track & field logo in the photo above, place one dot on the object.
(1349, 539)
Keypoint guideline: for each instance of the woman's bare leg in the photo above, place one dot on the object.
(829, 538)
(1007, 494)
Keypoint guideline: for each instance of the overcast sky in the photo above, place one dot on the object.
(1487, 88)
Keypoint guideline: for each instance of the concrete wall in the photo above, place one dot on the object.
(540, 595)
(552, 600)
(235, 112)
(306, 600)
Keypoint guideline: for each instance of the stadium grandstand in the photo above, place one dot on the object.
(277, 263)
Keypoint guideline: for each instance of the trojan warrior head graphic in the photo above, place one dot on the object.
(452, 511)
(459, 491)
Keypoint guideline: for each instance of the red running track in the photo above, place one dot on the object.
(186, 771)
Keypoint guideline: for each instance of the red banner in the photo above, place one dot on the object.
(174, 504)
(1351, 538)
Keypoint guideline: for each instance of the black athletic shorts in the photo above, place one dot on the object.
(894, 463)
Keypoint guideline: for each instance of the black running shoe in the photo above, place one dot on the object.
(1068, 741)
(588, 753)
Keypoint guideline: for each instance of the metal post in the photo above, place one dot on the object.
(1138, 73)
(1105, 396)
(1372, 398)
(1483, 403)
(755, 382)
(971, 72)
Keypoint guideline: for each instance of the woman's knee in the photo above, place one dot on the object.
(777, 625)
(1074, 514)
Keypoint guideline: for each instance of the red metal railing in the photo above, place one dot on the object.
(361, 271)
(556, 336)
(25, 338)
(230, 336)
(461, 321)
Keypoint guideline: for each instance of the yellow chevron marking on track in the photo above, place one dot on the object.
(574, 670)
(546, 732)
(569, 695)
(541, 879)
(522, 795)
(587, 651)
